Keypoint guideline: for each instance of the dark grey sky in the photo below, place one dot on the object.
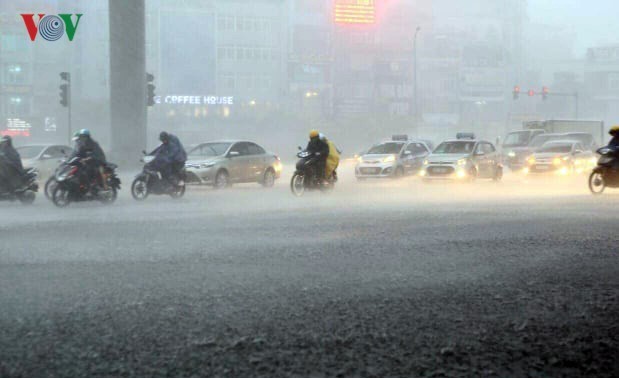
(594, 21)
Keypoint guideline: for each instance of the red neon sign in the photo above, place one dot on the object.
(358, 12)
(15, 133)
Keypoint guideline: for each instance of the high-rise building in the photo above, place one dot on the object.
(215, 60)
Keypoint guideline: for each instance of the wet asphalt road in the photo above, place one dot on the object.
(376, 279)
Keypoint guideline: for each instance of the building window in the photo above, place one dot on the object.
(613, 81)
(14, 74)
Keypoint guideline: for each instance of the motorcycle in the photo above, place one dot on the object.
(73, 184)
(150, 181)
(305, 177)
(25, 193)
(606, 173)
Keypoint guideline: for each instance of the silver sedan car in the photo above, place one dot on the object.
(44, 157)
(222, 163)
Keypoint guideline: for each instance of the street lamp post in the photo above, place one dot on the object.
(415, 77)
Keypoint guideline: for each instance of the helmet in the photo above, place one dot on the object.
(76, 135)
(164, 137)
(6, 139)
(84, 133)
(614, 130)
(314, 134)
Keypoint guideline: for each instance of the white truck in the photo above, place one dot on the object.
(517, 145)
(562, 126)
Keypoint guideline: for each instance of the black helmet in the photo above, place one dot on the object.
(164, 137)
(6, 139)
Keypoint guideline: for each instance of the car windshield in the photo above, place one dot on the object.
(584, 139)
(29, 152)
(556, 148)
(455, 148)
(519, 138)
(210, 149)
(385, 148)
(539, 140)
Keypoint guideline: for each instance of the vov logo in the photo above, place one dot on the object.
(51, 27)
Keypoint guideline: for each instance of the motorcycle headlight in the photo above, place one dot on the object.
(511, 154)
(462, 162)
(531, 160)
(389, 159)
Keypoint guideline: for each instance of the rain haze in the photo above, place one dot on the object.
(309, 188)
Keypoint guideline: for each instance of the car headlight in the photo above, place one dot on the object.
(207, 165)
(462, 162)
(531, 160)
(426, 162)
(389, 159)
(511, 154)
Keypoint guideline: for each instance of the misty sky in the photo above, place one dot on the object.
(595, 21)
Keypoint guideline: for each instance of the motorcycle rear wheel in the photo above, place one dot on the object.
(50, 185)
(27, 197)
(596, 183)
(109, 198)
(178, 192)
(297, 185)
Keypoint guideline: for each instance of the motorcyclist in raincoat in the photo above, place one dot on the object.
(11, 169)
(169, 157)
(320, 149)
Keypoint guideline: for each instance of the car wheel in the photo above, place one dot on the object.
(269, 178)
(498, 174)
(222, 180)
(399, 173)
(473, 174)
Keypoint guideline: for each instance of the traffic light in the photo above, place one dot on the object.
(150, 90)
(64, 95)
(64, 89)
(531, 93)
(545, 92)
(516, 92)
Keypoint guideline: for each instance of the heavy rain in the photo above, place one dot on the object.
(309, 188)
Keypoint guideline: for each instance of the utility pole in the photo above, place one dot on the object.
(415, 107)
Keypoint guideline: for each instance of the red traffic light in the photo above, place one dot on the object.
(531, 93)
(517, 89)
